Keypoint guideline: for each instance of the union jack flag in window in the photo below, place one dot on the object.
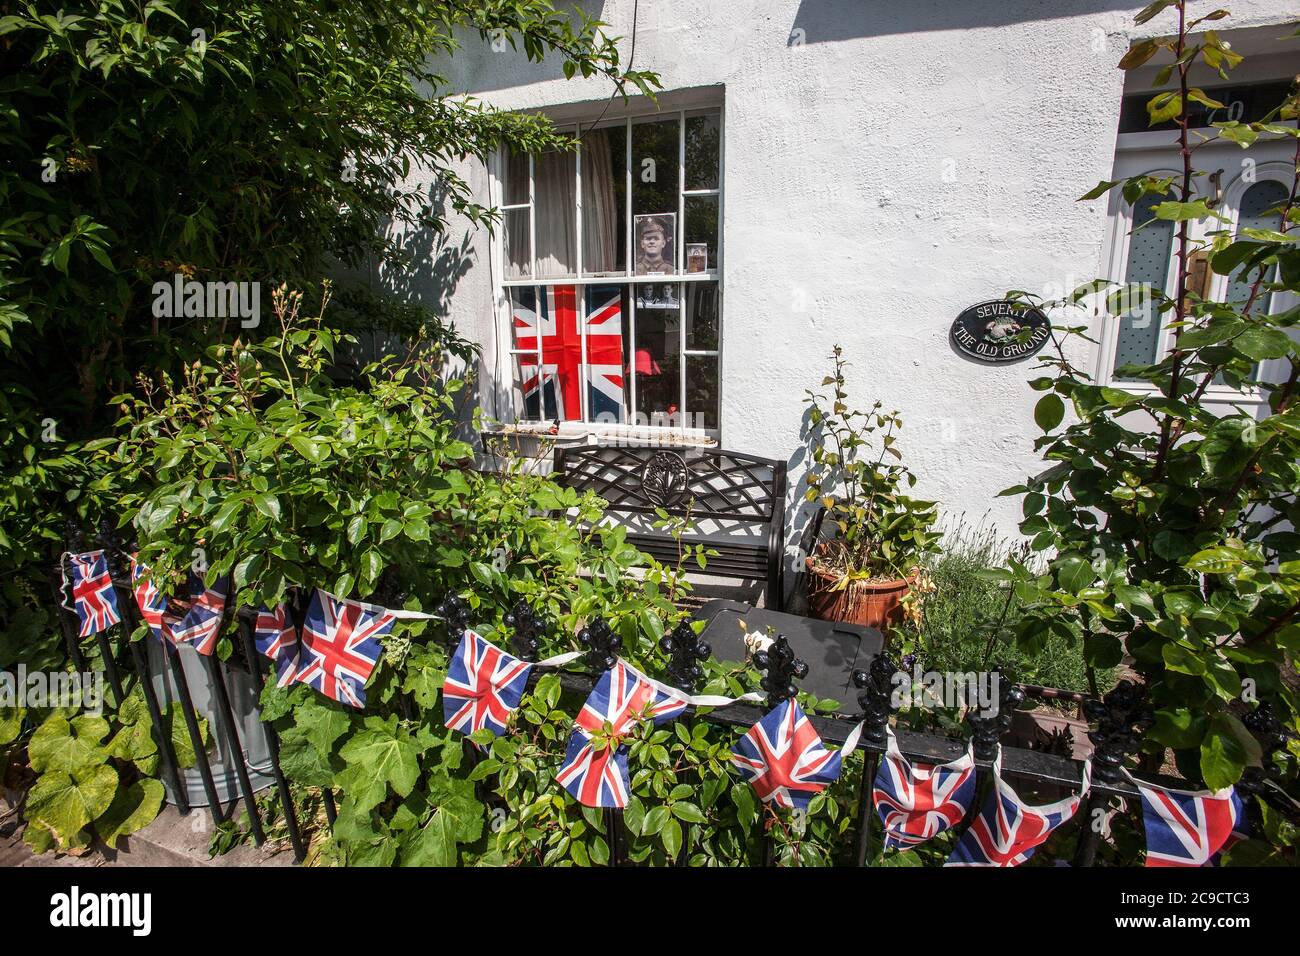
(92, 592)
(574, 352)
(595, 764)
(1007, 831)
(917, 801)
(784, 759)
(484, 686)
(340, 646)
(1186, 827)
(276, 636)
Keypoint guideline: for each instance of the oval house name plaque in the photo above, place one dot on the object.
(1000, 331)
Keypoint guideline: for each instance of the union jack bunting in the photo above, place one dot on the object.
(553, 388)
(340, 646)
(784, 759)
(484, 686)
(1007, 832)
(276, 636)
(200, 625)
(153, 606)
(595, 774)
(1187, 827)
(92, 592)
(918, 801)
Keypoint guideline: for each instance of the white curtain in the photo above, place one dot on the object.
(555, 175)
(599, 205)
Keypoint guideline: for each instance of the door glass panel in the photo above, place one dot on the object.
(1258, 199)
(1150, 247)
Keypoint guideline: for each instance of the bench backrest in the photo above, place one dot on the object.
(722, 485)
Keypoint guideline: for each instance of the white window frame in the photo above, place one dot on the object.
(1120, 219)
(511, 415)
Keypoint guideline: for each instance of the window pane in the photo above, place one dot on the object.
(701, 316)
(702, 391)
(657, 357)
(519, 256)
(604, 201)
(523, 388)
(701, 232)
(515, 189)
(1258, 199)
(555, 183)
(552, 310)
(607, 398)
(702, 140)
(1148, 264)
(654, 196)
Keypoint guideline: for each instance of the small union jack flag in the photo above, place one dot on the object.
(918, 801)
(1186, 827)
(595, 772)
(92, 592)
(340, 646)
(153, 606)
(1007, 832)
(484, 686)
(200, 625)
(276, 636)
(784, 759)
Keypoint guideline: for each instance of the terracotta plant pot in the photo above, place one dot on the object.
(1035, 729)
(873, 604)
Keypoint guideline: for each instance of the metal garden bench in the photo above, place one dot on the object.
(736, 504)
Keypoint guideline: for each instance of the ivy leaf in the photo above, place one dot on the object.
(434, 844)
(378, 757)
(302, 761)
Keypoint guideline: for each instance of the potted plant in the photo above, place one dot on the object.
(868, 570)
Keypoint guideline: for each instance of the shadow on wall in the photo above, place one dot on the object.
(484, 64)
(800, 512)
(827, 21)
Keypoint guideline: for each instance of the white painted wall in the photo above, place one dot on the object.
(835, 150)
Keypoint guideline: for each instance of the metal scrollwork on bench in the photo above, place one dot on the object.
(665, 479)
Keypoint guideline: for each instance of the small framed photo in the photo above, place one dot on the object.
(697, 257)
(656, 295)
(656, 238)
